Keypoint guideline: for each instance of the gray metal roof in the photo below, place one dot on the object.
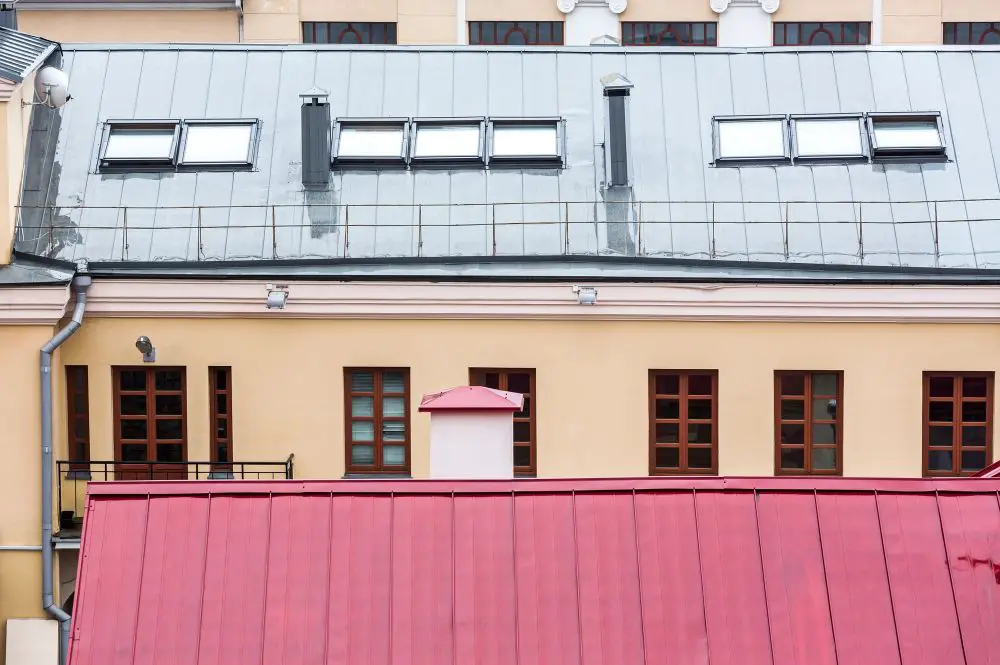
(21, 54)
(681, 207)
(24, 271)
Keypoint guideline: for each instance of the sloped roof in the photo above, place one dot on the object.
(680, 207)
(472, 398)
(541, 572)
(21, 54)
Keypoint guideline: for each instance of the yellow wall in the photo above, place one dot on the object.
(14, 124)
(822, 10)
(591, 381)
(920, 21)
(129, 26)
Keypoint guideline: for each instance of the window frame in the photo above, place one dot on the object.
(106, 163)
(477, 377)
(378, 469)
(967, 27)
(78, 464)
(151, 416)
(683, 397)
(783, 25)
(808, 421)
(394, 30)
(526, 160)
(906, 153)
(220, 467)
(631, 25)
(957, 422)
(719, 159)
(473, 41)
(444, 160)
(248, 163)
(859, 118)
(374, 161)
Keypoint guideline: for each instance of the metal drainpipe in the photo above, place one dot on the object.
(80, 285)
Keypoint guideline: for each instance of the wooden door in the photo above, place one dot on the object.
(150, 413)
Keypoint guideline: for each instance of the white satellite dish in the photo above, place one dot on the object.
(52, 87)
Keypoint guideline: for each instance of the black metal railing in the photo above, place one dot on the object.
(73, 477)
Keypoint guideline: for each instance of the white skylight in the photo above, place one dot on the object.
(906, 135)
(828, 137)
(751, 139)
(217, 143)
(127, 143)
(371, 142)
(448, 141)
(516, 140)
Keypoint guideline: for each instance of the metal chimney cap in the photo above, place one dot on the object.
(315, 94)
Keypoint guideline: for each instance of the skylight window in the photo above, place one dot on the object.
(906, 135)
(139, 143)
(445, 141)
(360, 141)
(828, 137)
(750, 139)
(218, 143)
(525, 140)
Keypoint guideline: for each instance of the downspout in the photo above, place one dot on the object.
(239, 21)
(80, 285)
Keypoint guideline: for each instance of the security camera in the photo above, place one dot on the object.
(146, 348)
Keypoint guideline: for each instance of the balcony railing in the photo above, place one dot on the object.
(74, 476)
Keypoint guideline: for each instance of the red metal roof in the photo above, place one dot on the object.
(547, 572)
(472, 398)
(992, 471)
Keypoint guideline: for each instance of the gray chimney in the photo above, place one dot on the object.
(8, 15)
(616, 91)
(315, 138)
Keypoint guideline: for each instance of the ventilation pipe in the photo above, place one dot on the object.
(617, 89)
(8, 14)
(80, 285)
(315, 138)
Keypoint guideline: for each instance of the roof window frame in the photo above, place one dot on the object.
(720, 160)
(444, 160)
(370, 161)
(863, 136)
(106, 163)
(225, 166)
(522, 161)
(906, 154)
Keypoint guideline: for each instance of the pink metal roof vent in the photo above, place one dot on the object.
(472, 398)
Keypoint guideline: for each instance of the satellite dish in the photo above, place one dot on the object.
(52, 87)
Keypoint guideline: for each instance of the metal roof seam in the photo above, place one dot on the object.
(763, 576)
(885, 561)
(638, 577)
(951, 576)
(826, 579)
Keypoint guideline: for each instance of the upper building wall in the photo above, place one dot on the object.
(129, 26)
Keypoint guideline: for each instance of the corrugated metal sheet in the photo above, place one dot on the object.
(934, 215)
(21, 53)
(567, 572)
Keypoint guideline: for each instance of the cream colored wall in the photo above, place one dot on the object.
(677, 10)
(823, 10)
(132, 26)
(513, 10)
(920, 21)
(14, 124)
(591, 381)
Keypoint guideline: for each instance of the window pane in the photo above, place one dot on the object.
(133, 452)
(793, 458)
(700, 458)
(973, 460)
(169, 405)
(794, 434)
(751, 138)
(668, 384)
(393, 430)
(221, 404)
(169, 452)
(522, 432)
(793, 384)
(447, 141)
(667, 409)
(525, 141)
(140, 144)
(667, 432)
(393, 407)
(363, 455)
(824, 433)
(940, 436)
(394, 455)
(222, 428)
(825, 384)
(974, 412)
(942, 412)
(522, 456)
(700, 409)
(492, 380)
(363, 431)
(363, 407)
(133, 380)
(169, 429)
(221, 379)
(824, 459)
(973, 386)
(362, 382)
(133, 429)
(828, 138)
(217, 144)
(941, 386)
(168, 379)
(525, 411)
(519, 382)
(393, 382)
(700, 433)
(906, 134)
(700, 384)
(221, 452)
(824, 409)
(793, 409)
(380, 141)
(132, 405)
(80, 429)
(668, 458)
(939, 460)
(973, 436)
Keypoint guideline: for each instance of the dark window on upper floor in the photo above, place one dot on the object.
(220, 387)
(325, 32)
(958, 422)
(669, 34)
(525, 439)
(972, 33)
(808, 417)
(78, 410)
(378, 420)
(516, 33)
(150, 416)
(683, 422)
(822, 34)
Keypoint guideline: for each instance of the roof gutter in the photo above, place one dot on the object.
(80, 285)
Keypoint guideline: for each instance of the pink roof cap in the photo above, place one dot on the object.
(472, 398)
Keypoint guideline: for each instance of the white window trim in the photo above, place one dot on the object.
(907, 154)
(479, 158)
(518, 160)
(858, 118)
(375, 160)
(720, 159)
(251, 146)
(138, 163)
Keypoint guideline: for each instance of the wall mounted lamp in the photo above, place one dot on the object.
(277, 295)
(146, 348)
(585, 295)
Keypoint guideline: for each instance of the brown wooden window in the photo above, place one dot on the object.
(822, 34)
(78, 409)
(525, 440)
(326, 32)
(972, 33)
(378, 420)
(220, 388)
(683, 422)
(808, 413)
(150, 415)
(958, 423)
(669, 34)
(516, 33)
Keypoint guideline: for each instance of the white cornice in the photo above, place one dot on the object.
(615, 6)
(720, 6)
(32, 305)
(677, 302)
